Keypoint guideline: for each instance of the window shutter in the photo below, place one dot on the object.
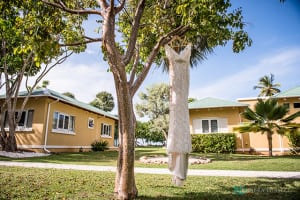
(29, 119)
(197, 125)
(223, 128)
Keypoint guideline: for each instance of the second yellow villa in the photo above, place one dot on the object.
(211, 115)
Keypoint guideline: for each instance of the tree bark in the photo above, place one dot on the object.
(269, 136)
(125, 187)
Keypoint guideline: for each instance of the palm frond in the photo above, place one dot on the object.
(291, 117)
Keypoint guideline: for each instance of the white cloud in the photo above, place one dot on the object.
(84, 81)
(237, 85)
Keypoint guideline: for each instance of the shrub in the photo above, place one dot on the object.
(99, 145)
(294, 138)
(214, 143)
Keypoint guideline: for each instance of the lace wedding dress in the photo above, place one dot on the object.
(179, 138)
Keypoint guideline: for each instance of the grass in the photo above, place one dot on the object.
(30, 183)
(219, 161)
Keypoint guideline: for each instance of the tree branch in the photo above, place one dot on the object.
(179, 31)
(135, 65)
(63, 7)
(102, 3)
(120, 7)
(89, 40)
(48, 68)
(134, 31)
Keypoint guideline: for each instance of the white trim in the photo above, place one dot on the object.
(91, 126)
(222, 125)
(63, 131)
(250, 98)
(281, 143)
(53, 147)
(56, 147)
(47, 125)
(105, 136)
(264, 149)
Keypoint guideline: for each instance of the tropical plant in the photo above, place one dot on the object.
(104, 101)
(99, 145)
(267, 86)
(268, 117)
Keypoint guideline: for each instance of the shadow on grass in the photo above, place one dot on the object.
(78, 158)
(242, 157)
(278, 189)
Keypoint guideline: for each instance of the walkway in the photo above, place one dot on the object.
(191, 172)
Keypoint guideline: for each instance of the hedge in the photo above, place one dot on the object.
(214, 143)
(294, 138)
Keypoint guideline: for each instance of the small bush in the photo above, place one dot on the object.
(214, 143)
(294, 138)
(99, 145)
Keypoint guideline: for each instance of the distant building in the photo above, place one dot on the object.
(211, 115)
(57, 123)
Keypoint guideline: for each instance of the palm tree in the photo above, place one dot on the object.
(267, 117)
(266, 86)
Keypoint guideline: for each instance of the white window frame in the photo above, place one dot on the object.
(106, 130)
(222, 125)
(68, 120)
(91, 123)
(26, 126)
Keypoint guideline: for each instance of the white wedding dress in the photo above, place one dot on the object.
(179, 138)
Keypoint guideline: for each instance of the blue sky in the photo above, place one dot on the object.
(273, 26)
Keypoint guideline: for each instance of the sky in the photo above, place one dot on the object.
(274, 28)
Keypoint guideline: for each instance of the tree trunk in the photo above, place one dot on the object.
(8, 139)
(125, 187)
(269, 135)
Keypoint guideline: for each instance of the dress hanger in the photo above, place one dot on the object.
(177, 43)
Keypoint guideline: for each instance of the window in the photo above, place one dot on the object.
(205, 126)
(287, 105)
(25, 122)
(63, 123)
(90, 123)
(212, 125)
(296, 105)
(105, 130)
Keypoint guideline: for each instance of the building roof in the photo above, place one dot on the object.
(210, 102)
(293, 92)
(66, 99)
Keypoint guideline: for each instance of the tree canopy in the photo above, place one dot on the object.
(155, 105)
(104, 100)
(34, 39)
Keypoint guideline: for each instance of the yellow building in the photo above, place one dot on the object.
(57, 123)
(259, 143)
(210, 115)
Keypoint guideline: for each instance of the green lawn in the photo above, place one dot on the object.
(219, 161)
(31, 183)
